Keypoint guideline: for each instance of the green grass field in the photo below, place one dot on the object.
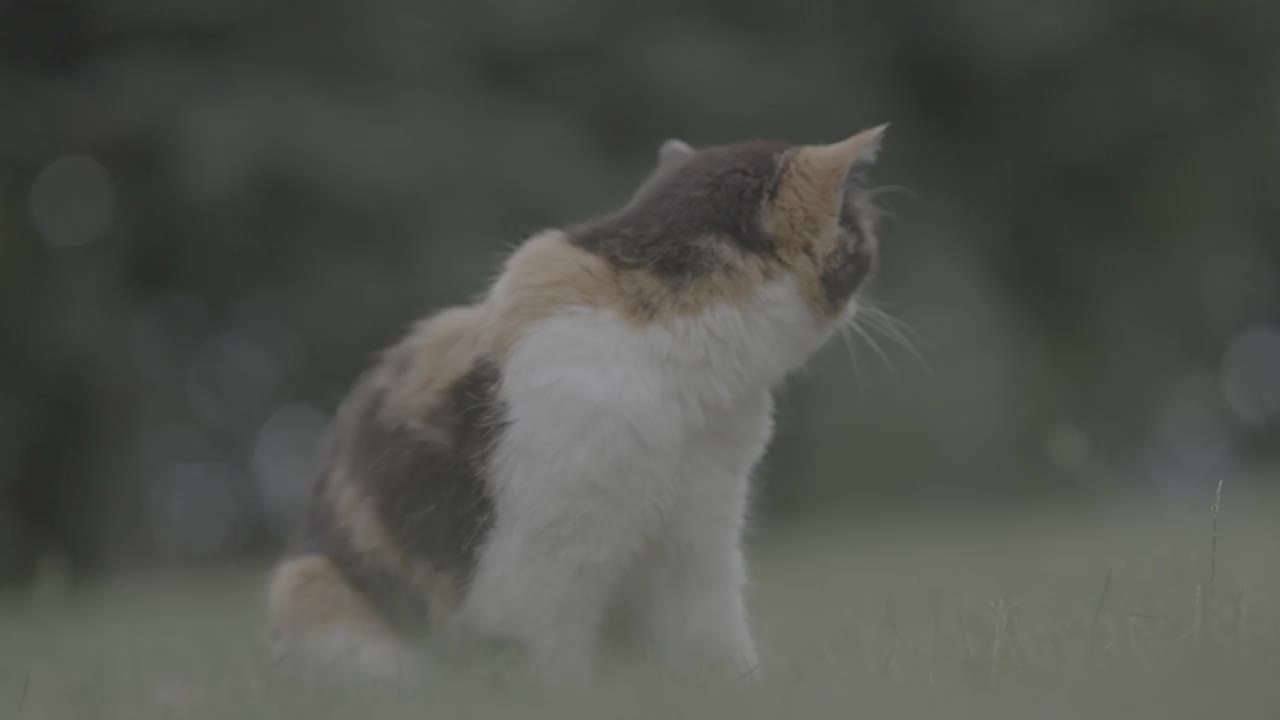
(1027, 617)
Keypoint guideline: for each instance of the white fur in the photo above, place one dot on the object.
(353, 654)
(624, 468)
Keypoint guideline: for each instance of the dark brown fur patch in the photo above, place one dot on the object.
(404, 504)
(671, 227)
(431, 489)
(844, 270)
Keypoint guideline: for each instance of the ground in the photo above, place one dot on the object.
(1134, 614)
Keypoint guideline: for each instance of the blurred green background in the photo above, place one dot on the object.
(213, 213)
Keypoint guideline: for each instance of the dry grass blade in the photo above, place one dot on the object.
(1094, 644)
(22, 694)
(1204, 594)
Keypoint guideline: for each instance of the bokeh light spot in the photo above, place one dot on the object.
(1251, 375)
(285, 462)
(73, 201)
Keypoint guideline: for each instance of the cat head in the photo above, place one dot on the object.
(715, 223)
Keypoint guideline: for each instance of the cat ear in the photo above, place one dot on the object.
(838, 161)
(673, 151)
(833, 173)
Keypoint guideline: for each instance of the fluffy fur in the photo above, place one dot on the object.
(578, 444)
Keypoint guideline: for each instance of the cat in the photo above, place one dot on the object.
(579, 442)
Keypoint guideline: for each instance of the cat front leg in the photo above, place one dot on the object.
(696, 574)
(547, 587)
(696, 615)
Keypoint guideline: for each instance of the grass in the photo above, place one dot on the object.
(1009, 616)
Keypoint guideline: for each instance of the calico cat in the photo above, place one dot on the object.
(579, 442)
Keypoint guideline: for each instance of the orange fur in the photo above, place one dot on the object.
(308, 593)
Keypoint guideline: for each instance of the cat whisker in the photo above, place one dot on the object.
(875, 347)
(899, 332)
(887, 322)
(879, 190)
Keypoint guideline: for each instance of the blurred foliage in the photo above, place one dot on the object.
(212, 213)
